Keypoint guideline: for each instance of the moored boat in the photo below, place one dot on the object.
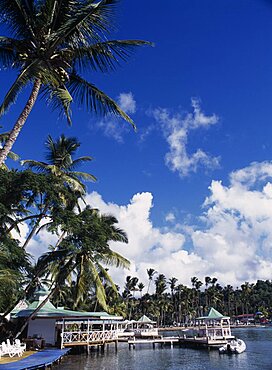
(233, 346)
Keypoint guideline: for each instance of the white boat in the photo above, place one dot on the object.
(233, 346)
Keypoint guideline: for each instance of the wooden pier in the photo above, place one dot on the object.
(192, 342)
(204, 342)
(162, 341)
(89, 339)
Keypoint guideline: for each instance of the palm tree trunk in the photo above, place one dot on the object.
(32, 232)
(20, 122)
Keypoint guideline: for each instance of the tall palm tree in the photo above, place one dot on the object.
(151, 273)
(81, 258)
(85, 251)
(62, 164)
(160, 283)
(3, 137)
(141, 287)
(51, 43)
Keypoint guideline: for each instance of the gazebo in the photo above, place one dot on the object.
(214, 325)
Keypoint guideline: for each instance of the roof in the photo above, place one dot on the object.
(145, 319)
(50, 311)
(213, 315)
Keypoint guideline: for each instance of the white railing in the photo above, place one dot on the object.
(88, 337)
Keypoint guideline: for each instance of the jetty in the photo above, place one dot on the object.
(159, 341)
(40, 360)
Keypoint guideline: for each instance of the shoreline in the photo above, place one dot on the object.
(178, 328)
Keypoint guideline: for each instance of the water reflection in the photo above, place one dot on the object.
(256, 357)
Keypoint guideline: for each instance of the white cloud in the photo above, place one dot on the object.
(170, 217)
(234, 245)
(234, 242)
(127, 102)
(176, 129)
(117, 129)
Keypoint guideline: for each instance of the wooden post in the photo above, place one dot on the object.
(62, 331)
(88, 337)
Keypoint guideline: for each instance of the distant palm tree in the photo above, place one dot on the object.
(51, 44)
(141, 287)
(61, 162)
(151, 273)
(160, 283)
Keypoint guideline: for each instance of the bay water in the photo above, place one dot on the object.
(258, 356)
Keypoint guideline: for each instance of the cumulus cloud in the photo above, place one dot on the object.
(117, 130)
(176, 129)
(233, 242)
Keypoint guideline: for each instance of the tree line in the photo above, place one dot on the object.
(174, 303)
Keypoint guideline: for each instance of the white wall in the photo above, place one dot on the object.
(44, 328)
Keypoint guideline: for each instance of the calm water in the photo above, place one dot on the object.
(257, 356)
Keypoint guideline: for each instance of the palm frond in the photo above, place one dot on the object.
(74, 182)
(21, 81)
(86, 23)
(9, 48)
(87, 94)
(107, 277)
(100, 291)
(19, 16)
(38, 166)
(105, 56)
(84, 175)
(114, 259)
(60, 99)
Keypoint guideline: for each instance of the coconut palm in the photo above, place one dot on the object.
(62, 164)
(84, 252)
(160, 283)
(141, 287)
(151, 273)
(81, 258)
(52, 42)
(3, 137)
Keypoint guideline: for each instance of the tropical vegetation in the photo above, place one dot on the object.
(51, 44)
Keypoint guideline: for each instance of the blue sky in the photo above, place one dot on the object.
(201, 100)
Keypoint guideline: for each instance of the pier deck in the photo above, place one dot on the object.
(39, 360)
(166, 340)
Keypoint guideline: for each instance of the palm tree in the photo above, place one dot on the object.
(51, 44)
(141, 287)
(81, 257)
(62, 164)
(160, 283)
(151, 273)
(3, 137)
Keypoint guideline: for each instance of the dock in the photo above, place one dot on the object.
(40, 360)
(162, 341)
(204, 342)
(192, 342)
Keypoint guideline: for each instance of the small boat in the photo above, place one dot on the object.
(233, 346)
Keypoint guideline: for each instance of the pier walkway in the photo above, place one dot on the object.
(39, 360)
(162, 341)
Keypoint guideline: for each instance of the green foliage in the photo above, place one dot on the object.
(53, 41)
